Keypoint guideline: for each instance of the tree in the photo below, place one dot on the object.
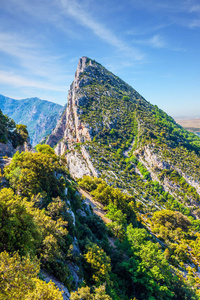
(23, 132)
(18, 230)
(153, 270)
(16, 276)
(170, 225)
(98, 264)
(32, 173)
(84, 293)
(171, 219)
(27, 229)
(119, 220)
(44, 291)
(18, 280)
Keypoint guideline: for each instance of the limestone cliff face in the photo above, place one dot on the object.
(70, 130)
(153, 161)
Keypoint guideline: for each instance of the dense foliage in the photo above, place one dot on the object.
(143, 268)
(84, 293)
(18, 280)
(32, 173)
(118, 260)
(32, 221)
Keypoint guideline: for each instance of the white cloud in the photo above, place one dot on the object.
(195, 23)
(157, 41)
(185, 13)
(12, 79)
(59, 13)
(195, 8)
(32, 58)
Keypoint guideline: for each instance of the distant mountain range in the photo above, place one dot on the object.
(40, 116)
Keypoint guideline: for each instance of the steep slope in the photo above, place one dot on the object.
(118, 259)
(40, 116)
(110, 130)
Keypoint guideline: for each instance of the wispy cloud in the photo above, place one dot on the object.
(11, 78)
(76, 11)
(195, 8)
(154, 5)
(32, 58)
(60, 12)
(32, 67)
(185, 13)
(156, 41)
(195, 23)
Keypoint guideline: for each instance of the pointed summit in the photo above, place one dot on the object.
(82, 64)
(93, 84)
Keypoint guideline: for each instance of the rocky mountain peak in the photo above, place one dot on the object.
(110, 130)
(91, 91)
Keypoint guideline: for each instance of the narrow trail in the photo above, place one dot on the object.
(125, 153)
(96, 206)
(98, 210)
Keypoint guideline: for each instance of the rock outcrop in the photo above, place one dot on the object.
(7, 151)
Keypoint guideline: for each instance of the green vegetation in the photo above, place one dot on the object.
(34, 216)
(84, 293)
(118, 260)
(141, 267)
(31, 173)
(97, 265)
(18, 280)
(124, 126)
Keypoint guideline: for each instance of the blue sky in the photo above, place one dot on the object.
(152, 45)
